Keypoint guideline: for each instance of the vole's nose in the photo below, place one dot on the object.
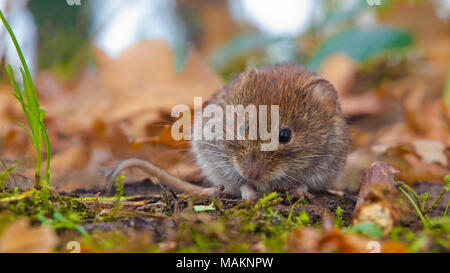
(253, 169)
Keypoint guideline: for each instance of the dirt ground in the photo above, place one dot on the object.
(152, 198)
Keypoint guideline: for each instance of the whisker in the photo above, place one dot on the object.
(295, 179)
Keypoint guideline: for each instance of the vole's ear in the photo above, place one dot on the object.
(248, 75)
(323, 91)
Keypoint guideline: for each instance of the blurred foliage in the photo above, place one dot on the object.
(333, 32)
(63, 36)
(361, 43)
(64, 43)
(335, 14)
(253, 49)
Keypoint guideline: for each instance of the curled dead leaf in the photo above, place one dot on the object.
(378, 201)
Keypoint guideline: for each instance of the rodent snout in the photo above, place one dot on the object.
(253, 169)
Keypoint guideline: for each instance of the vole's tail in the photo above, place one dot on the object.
(163, 176)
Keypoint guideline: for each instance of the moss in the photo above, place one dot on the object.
(237, 226)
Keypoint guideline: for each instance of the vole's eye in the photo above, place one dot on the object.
(285, 136)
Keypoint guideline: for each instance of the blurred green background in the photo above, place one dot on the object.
(231, 34)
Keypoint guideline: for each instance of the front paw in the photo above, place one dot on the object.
(212, 191)
(300, 192)
(248, 192)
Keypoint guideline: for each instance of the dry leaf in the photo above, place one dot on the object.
(340, 70)
(304, 240)
(394, 247)
(378, 200)
(329, 240)
(109, 112)
(431, 151)
(365, 104)
(20, 236)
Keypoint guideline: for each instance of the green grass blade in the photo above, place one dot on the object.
(32, 109)
(11, 75)
(16, 44)
(25, 128)
(30, 92)
(34, 114)
(17, 92)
